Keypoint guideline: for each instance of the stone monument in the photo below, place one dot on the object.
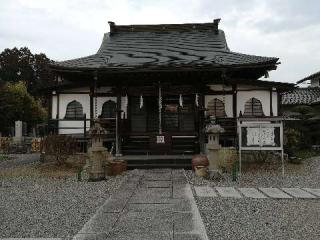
(213, 131)
(98, 154)
(18, 127)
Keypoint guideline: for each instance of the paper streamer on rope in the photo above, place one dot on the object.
(181, 101)
(197, 100)
(141, 101)
(126, 101)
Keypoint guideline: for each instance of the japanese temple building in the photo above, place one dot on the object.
(154, 87)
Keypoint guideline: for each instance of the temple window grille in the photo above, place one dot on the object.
(216, 108)
(253, 107)
(74, 111)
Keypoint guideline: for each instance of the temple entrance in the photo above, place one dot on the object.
(179, 131)
(144, 114)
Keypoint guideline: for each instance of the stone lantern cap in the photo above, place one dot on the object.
(214, 128)
(96, 130)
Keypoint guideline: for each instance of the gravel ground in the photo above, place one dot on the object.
(13, 160)
(260, 218)
(49, 207)
(246, 218)
(302, 175)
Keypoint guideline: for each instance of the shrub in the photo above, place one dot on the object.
(60, 146)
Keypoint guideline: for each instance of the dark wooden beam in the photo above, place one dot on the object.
(271, 108)
(92, 93)
(58, 106)
(234, 100)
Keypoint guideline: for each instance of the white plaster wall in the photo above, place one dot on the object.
(54, 107)
(78, 124)
(262, 95)
(275, 103)
(64, 99)
(228, 102)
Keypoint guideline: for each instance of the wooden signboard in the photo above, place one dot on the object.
(260, 136)
(160, 143)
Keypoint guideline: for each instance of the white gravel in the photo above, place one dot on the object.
(305, 175)
(13, 160)
(49, 207)
(260, 218)
(246, 218)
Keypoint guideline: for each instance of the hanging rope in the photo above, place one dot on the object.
(95, 95)
(160, 110)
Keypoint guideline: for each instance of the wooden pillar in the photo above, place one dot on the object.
(201, 123)
(118, 125)
(271, 109)
(279, 100)
(58, 106)
(234, 101)
(92, 93)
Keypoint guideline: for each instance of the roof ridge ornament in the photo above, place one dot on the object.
(112, 26)
(216, 25)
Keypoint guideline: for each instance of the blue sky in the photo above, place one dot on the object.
(288, 29)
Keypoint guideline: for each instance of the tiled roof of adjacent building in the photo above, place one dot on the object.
(312, 76)
(301, 96)
(165, 46)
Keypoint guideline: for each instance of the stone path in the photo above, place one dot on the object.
(151, 205)
(258, 193)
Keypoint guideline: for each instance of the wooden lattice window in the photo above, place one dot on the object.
(216, 108)
(74, 111)
(253, 107)
(109, 109)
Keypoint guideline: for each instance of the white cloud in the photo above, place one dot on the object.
(288, 29)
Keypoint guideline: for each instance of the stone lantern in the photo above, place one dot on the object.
(213, 131)
(97, 153)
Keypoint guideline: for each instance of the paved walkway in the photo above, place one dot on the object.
(283, 193)
(151, 205)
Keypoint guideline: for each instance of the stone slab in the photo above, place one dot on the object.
(183, 221)
(174, 205)
(100, 222)
(160, 176)
(180, 191)
(314, 191)
(151, 195)
(298, 193)
(230, 192)
(251, 193)
(157, 184)
(151, 207)
(90, 236)
(205, 191)
(187, 236)
(141, 236)
(114, 206)
(274, 193)
(144, 222)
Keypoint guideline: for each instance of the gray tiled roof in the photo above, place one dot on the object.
(301, 96)
(156, 50)
(312, 76)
